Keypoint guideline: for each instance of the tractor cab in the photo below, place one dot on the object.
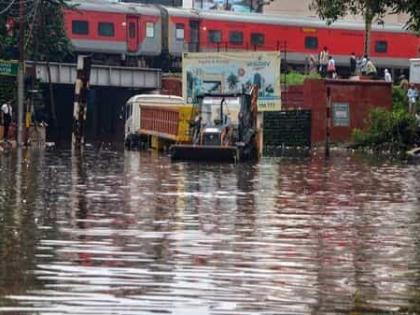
(217, 117)
(223, 129)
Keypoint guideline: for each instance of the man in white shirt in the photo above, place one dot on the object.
(387, 76)
(6, 112)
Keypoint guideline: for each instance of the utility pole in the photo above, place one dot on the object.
(80, 100)
(328, 124)
(20, 74)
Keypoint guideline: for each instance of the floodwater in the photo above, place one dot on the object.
(133, 233)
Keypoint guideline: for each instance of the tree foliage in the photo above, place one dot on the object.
(331, 10)
(371, 10)
(45, 37)
(388, 131)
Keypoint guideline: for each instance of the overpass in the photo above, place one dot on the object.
(101, 75)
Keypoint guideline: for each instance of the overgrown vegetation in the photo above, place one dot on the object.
(44, 40)
(296, 78)
(371, 10)
(399, 99)
(45, 37)
(392, 131)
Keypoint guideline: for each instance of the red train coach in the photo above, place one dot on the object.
(115, 32)
(391, 46)
(137, 34)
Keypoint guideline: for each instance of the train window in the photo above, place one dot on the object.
(257, 39)
(179, 32)
(311, 42)
(236, 38)
(381, 46)
(215, 36)
(80, 27)
(106, 29)
(150, 29)
(132, 30)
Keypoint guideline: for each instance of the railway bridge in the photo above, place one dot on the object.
(110, 88)
(106, 76)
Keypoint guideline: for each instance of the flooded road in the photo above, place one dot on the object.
(133, 233)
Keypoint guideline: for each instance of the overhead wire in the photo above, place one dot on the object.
(8, 7)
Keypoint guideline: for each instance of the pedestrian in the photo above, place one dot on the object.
(6, 112)
(370, 69)
(331, 68)
(312, 64)
(412, 95)
(323, 62)
(353, 63)
(387, 76)
(359, 60)
(363, 64)
(404, 82)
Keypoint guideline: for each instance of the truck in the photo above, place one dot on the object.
(141, 110)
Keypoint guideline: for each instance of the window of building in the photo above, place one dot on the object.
(179, 32)
(311, 42)
(215, 36)
(150, 29)
(381, 46)
(236, 38)
(132, 30)
(257, 39)
(80, 27)
(106, 29)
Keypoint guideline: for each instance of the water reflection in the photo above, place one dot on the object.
(131, 233)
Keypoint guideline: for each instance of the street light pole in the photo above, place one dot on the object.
(20, 75)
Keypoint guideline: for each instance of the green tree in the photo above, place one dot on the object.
(49, 40)
(371, 10)
(45, 37)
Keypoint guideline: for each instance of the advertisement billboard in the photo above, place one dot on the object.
(233, 72)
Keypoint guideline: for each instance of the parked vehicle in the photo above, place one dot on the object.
(224, 130)
(132, 128)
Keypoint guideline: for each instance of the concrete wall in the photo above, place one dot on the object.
(361, 96)
(172, 85)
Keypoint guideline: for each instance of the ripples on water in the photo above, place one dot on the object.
(133, 233)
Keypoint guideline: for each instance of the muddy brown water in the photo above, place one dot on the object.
(133, 233)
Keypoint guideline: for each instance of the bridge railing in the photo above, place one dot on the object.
(101, 75)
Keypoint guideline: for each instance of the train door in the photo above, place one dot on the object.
(194, 35)
(132, 33)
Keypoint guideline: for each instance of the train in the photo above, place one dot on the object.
(141, 35)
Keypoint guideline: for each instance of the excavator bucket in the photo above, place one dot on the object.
(186, 152)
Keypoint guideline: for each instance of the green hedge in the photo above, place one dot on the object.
(391, 131)
(296, 78)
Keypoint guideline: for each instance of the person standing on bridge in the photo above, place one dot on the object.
(353, 64)
(412, 95)
(6, 112)
(387, 76)
(323, 61)
(331, 70)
